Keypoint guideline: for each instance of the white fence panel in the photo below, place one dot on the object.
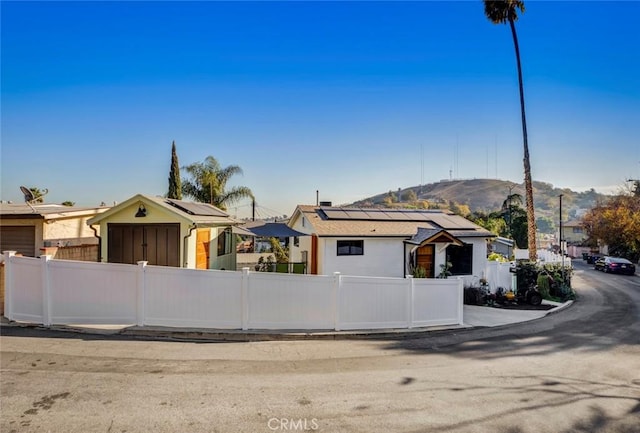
(374, 302)
(286, 301)
(26, 297)
(499, 275)
(92, 293)
(192, 298)
(437, 301)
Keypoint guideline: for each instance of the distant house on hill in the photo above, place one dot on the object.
(388, 242)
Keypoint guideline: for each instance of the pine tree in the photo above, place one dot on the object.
(175, 185)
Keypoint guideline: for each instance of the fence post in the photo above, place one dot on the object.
(46, 292)
(141, 289)
(460, 289)
(410, 299)
(337, 282)
(244, 299)
(8, 284)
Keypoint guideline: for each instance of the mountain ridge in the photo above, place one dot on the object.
(488, 195)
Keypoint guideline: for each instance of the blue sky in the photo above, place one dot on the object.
(340, 97)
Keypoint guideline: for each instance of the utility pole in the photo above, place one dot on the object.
(560, 237)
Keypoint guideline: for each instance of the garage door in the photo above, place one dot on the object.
(21, 239)
(158, 244)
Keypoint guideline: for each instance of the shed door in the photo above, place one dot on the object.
(424, 258)
(21, 239)
(203, 240)
(158, 244)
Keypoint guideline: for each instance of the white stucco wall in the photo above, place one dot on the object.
(383, 257)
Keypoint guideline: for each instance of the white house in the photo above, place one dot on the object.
(388, 242)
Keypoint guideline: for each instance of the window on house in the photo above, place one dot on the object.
(225, 239)
(350, 248)
(461, 259)
(577, 229)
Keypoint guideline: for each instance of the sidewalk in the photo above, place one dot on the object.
(474, 317)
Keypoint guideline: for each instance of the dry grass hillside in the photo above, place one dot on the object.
(487, 195)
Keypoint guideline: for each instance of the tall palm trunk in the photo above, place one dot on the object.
(528, 184)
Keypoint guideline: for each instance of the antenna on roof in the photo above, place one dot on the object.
(30, 198)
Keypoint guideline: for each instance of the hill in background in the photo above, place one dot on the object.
(487, 195)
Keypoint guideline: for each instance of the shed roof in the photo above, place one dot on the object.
(202, 214)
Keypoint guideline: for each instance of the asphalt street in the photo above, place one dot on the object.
(574, 371)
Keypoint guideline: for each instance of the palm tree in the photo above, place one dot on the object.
(208, 183)
(501, 12)
(38, 195)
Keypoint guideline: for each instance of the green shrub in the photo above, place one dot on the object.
(419, 272)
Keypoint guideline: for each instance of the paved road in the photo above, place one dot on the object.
(575, 371)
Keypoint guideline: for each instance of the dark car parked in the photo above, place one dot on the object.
(615, 265)
(591, 258)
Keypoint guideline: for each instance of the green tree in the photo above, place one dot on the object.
(545, 224)
(409, 196)
(494, 222)
(281, 253)
(68, 203)
(502, 12)
(208, 183)
(175, 185)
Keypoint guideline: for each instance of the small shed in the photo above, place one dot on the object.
(167, 232)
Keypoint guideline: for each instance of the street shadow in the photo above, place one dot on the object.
(558, 393)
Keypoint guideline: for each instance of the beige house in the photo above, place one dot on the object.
(573, 232)
(166, 232)
(60, 231)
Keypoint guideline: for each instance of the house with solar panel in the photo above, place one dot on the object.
(388, 242)
(166, 232)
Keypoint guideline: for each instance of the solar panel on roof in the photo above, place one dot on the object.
(444, 220)
(201, 209)
(357, 214)
(333, 213)
(452, 222)
(395, 216)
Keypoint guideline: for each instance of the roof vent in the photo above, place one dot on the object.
(325, 204)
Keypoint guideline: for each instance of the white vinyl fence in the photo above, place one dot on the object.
(498, 274)
(68, 292)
